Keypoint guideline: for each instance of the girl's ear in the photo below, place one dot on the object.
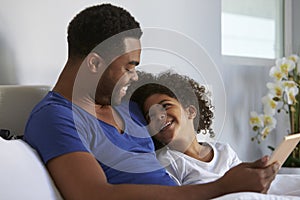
(192, 111)
(95, 62)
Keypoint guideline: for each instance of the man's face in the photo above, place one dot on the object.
(119, 74)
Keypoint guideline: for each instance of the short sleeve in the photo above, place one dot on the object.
(52, 132)
(234, 159)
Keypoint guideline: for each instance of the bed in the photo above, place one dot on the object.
(24, 176)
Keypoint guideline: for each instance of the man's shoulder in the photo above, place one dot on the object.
(51, 109)
(52, 102)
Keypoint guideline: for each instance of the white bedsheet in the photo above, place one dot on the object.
(284, 187)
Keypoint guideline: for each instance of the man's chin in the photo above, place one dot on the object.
(117, 98)
(110, 100)
(116, 101)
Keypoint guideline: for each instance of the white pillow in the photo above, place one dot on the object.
(22, 173)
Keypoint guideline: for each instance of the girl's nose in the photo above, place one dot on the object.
(157, 113)
(162, 115)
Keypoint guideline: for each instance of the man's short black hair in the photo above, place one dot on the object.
(95, 24)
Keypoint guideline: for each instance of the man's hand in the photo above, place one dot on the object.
(254, 177)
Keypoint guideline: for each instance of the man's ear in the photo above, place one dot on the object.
(95, 62)
(192, 111)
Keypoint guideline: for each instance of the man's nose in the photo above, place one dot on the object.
(134, 76)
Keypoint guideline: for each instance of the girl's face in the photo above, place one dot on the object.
(168, 120)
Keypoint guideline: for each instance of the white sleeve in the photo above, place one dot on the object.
(232, 155)
(174, 164)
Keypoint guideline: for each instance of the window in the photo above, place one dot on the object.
(253, 28)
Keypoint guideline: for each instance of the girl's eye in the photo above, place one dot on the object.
(147, 117)
(155, 110)
(166, 105)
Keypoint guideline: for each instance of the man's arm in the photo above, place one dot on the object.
(79, 176)
(253, 177)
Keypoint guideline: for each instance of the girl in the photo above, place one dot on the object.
(176, 108)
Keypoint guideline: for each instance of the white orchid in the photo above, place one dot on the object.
(291, 90)
(285, 65)
(262, 123)
(265, 132)
(256, 120)
(276, 73)
(291, 95)
(269, 121)
(269, 104)
(283, 94)
(289, 84)
(294, 58)
(276, 89)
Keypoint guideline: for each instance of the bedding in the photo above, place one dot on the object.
(284, 187)
(23, 176)
(255, 196)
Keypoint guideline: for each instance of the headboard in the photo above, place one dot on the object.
(16, 103)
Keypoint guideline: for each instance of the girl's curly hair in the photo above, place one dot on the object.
(180, 87)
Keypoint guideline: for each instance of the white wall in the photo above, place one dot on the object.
(245, 85)
(296, 26)
(33, 33)
(33, 50)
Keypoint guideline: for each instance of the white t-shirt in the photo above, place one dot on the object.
(187, 170)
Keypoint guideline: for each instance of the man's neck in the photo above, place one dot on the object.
(110, 116)
(66, 80)
(79, 93)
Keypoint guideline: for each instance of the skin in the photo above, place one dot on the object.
(78, 175)
(178, 132)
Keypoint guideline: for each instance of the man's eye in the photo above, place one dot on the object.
(130, 70)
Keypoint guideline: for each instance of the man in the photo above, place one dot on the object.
(92, 147)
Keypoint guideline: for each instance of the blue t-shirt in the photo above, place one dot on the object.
(57, 127)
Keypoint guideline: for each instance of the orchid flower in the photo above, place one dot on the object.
(269, 121)
(277, 74)
(291, 90)
(269, 125)
(291, 95)
(283, 95)
(294, 58)
(256, 120)
(276, 89)
(285, 65)
(265, 132)
(269, 105)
